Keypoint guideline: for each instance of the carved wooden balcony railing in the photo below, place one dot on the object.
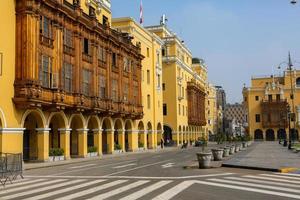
(69, 50)
(29, 94)
(46, 41)
(87, 58)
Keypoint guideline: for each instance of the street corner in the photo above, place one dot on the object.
(289, 170)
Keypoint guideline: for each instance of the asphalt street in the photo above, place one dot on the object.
(151, 175)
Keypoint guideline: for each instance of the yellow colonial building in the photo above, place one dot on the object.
(73, 83)
(183, 91)
(211, 111)
(150, 127)
(270, 102)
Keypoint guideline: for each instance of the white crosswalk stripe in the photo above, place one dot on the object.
(146, 190)
(281, 179)
(41, 189)
(56, 192)
(18, 188)
(280, 176)
(174, 190)
(261, 181)
(92, 190)
(23, 182)
(119, 190)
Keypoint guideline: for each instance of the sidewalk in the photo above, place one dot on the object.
(265, 156)
(37, 165)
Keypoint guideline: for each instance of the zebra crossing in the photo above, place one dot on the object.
(60, 188)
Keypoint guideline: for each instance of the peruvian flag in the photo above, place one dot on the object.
(141, 13)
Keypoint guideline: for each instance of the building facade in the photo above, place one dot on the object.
(272, 106)
(234, 119)
(71, 81)
(211, 111)
(183, 94)
(151, 126)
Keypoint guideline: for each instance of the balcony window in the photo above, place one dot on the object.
(148, 101)
(256, 98)
(257, 118)
(45, 27)
(165, 109)
(135, 92)
(67, 72)
(86, 82)
(45, 68)
(114, 60)
(277, 97)
(105, 20)
(85, 46)
(114, 90)
(126, 92)
(126, 64)
(298, 82)
(102, 86)
(270, 98)
(68, 38)
(148, 76)
(164, 86)
(102, 54)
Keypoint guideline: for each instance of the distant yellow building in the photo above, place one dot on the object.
(270, 106)
(150, 127)
(211, 111)
(183, 90)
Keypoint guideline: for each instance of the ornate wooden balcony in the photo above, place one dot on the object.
(196, 104)
(274, 114)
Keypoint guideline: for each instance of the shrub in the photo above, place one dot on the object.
(92, 149)
(141, 145)
(117, 147)
(56, 152)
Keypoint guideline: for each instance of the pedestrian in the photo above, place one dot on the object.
(162, 143)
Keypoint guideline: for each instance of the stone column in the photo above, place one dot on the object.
(43, 144)
(133, 140)
(110, 141)
(121, 138)
(175, 137)
(98, 140)
(65, 141)
(82, 142)
(154, 132)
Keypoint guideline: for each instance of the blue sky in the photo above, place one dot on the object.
(236, 38)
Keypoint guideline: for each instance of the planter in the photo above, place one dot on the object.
(244, 144)
(92, 154)
(226, 151)
(204, 160)
(237, 148)
(56, 158)
(218, 154)
(232, 150)
(141, 149)
(118, 151)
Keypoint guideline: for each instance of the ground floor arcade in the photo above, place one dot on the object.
(275, 134)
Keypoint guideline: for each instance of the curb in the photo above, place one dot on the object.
(252, 168)
(289, 170)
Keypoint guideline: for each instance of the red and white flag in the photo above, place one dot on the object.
(141, 13)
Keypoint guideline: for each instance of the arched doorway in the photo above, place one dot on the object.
(56, 124)
(258, 134)
(141, 135)
(32, 122)
(149, 135)
(168, 136)
(118, 135)
(93, 126)
(76, 126)
(106, 127)
(159, 134)
(281, 134)
(270, 136)
(294, 134)
(128, 143)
